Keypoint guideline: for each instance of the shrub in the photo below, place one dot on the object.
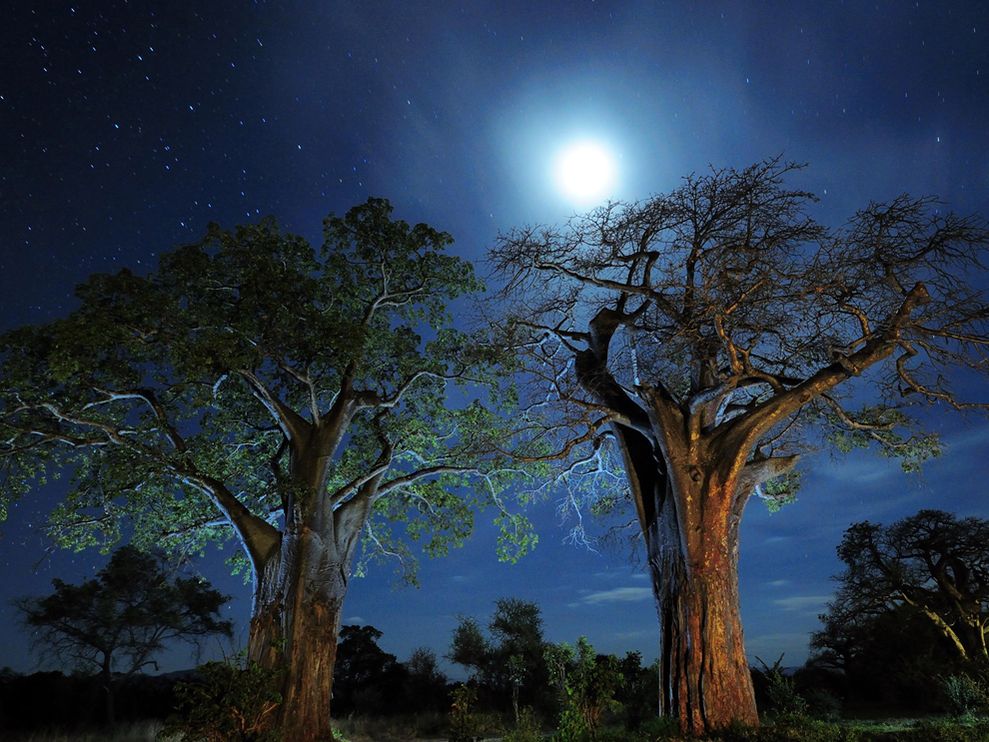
(965, 695)
(781, 691)
(464, 725)
(229, 702)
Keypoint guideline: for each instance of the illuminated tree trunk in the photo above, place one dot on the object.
(705, 677)
(691, 537)
(298, 602)
(294, 631)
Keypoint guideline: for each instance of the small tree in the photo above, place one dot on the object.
(119, 621)
(711, 334)
(511, 662)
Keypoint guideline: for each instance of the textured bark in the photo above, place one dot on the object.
(294, 631)
(705, 680)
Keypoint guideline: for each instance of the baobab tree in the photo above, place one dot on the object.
(710, 333)
(297, 399)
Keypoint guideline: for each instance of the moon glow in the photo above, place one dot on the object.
(585, 172)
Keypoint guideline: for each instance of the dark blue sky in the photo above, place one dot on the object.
(126, 127)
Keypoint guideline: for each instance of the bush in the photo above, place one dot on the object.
(965, 696)
(464, 725)
(229, 702)
(946, 730)
(781, 691)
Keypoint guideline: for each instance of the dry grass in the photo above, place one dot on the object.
(142, 731)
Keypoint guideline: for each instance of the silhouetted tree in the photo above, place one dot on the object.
(367, 679)
(292, 397)
(709, 333)
(887, 656)
(425, 688)
(119, 621)
(934, 564)
(516, 631)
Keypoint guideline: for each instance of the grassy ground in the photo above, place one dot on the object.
(432, 728)
(144, 731)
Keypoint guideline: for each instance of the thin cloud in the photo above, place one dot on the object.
(617, 595)
(803, 602)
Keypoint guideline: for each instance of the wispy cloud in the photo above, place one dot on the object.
(354, 620)
(803, 602)
(777, 583)
(617, 595)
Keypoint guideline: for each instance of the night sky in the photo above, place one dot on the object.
(126, 127)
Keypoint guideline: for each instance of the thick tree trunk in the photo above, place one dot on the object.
(294, 630)
(705, 680)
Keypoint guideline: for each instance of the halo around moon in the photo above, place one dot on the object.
(585, 172)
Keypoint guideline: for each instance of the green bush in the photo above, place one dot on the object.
(965, 695)
(464, 725)
(229, 702)
(948, 730)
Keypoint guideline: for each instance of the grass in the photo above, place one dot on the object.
(141, 731)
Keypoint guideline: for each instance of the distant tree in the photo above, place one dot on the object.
(888, 656)
(298, 399)
(587, 684)
(367, 679)
(426, 684)
(710, 334)
(510, 664)
(932, 564)
(120, 621)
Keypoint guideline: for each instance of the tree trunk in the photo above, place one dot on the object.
(294, 630)
(705, 679)
(106, 677)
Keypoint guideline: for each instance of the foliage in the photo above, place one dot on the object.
(784, 699)
(228, 702)
(964, 694)
(464, 726)
(366, 679)
(178, 399)
(586, 683)
(886, 657)
(527, 728)
(508, 664)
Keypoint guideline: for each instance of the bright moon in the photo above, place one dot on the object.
(585, 172)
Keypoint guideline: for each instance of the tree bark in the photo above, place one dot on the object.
(294, 629)
(692, 552)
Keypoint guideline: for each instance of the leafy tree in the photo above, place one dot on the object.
(587, 684)
(703, 338)
(511, 662)
(119, 621)
(298, 399)
(933, 564)
(367, 680)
